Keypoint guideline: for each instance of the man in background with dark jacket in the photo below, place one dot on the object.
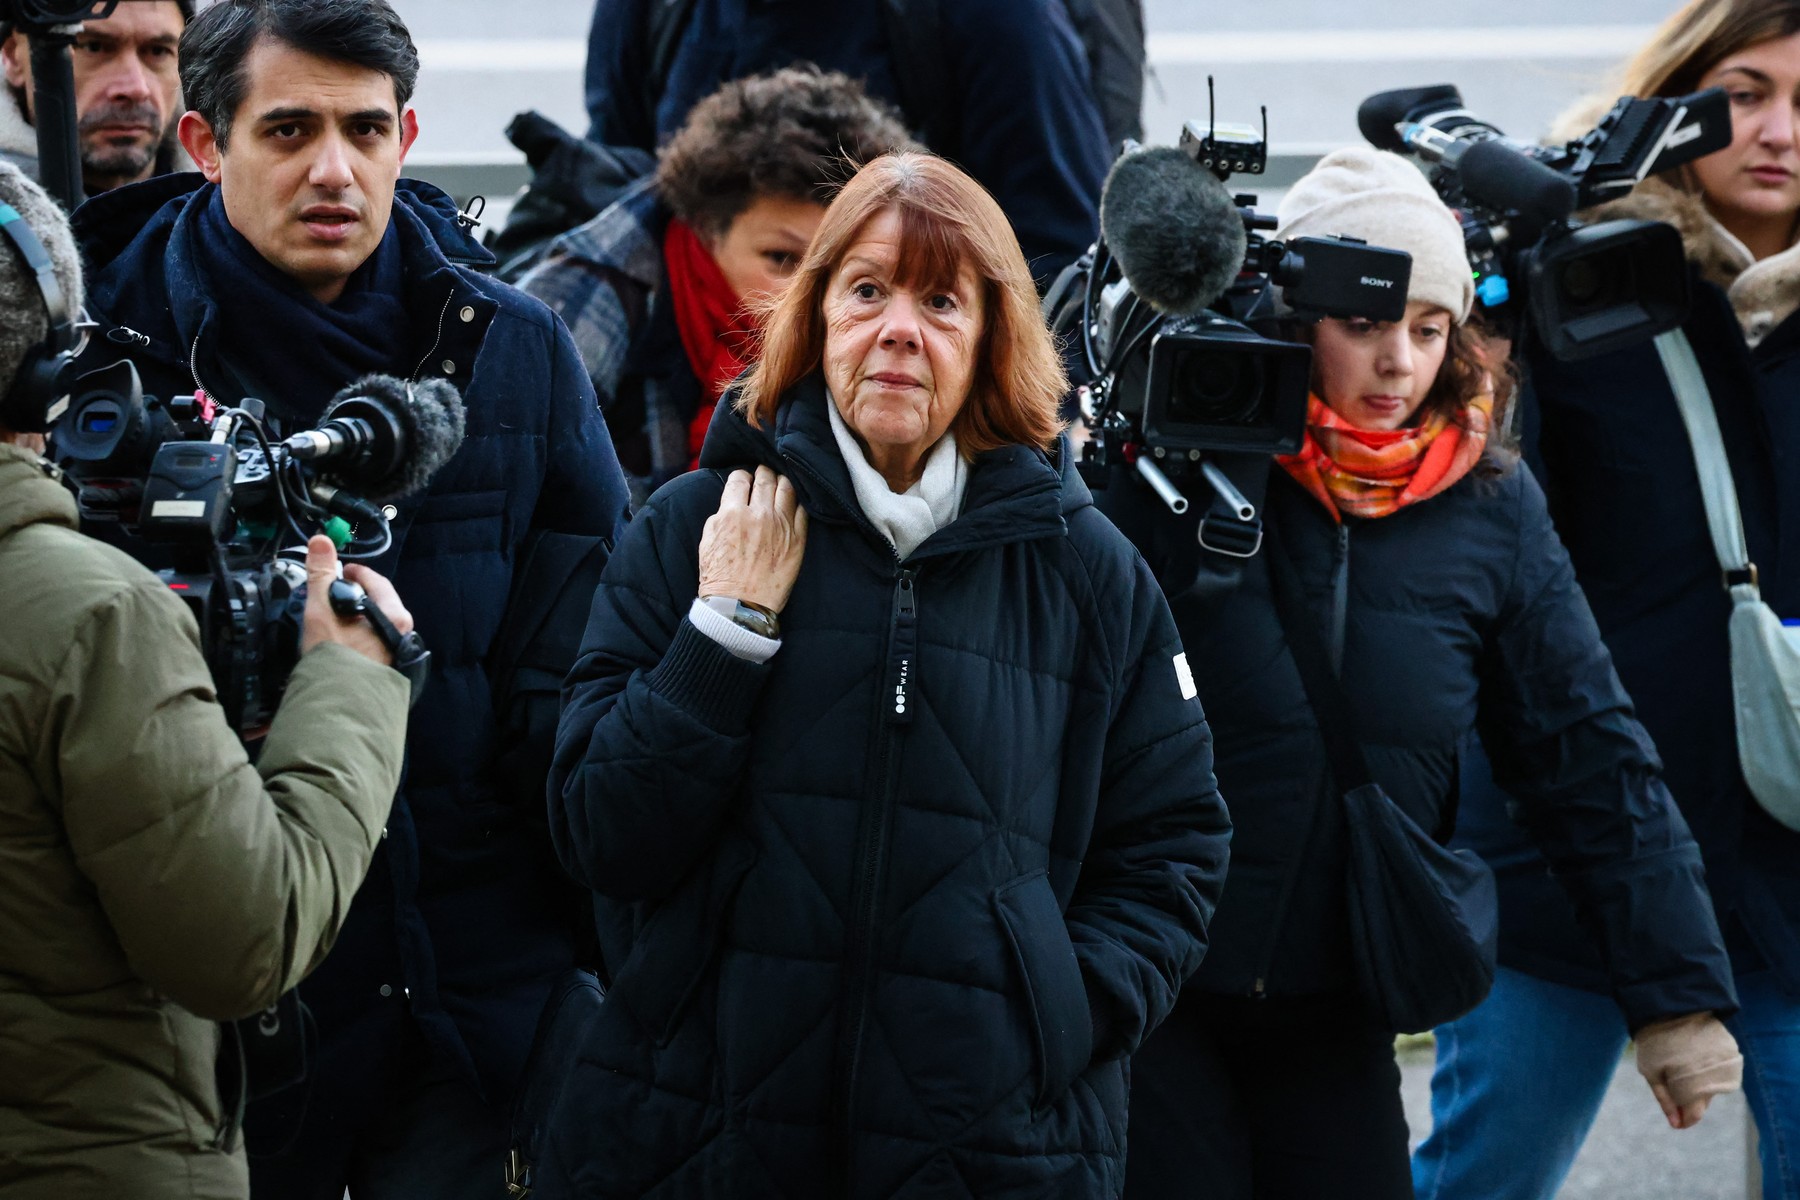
(152, 881)
(127, 95)
(300, 263)
(1005, 88)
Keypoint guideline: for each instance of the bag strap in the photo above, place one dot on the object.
(1324, 690)
(1718, 491)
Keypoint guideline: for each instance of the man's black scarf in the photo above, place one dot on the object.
(282, 345)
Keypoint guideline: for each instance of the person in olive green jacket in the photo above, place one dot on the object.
(152, 881)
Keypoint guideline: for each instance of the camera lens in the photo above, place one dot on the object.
(1591, 281)
(1218, 387)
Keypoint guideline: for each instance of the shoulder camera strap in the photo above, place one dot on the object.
(1324, 690)
(1718, 491)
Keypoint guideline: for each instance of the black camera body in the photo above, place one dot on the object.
(1213, 383)
(1191, 384)
(221, 511)
(1583, 290)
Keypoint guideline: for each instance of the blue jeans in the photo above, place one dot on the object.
(1498, 1133)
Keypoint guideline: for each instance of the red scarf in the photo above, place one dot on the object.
(1376, 472)
(717, 334)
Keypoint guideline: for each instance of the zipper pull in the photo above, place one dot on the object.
(903, 642)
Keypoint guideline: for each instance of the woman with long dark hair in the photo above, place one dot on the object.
(1519, 1081)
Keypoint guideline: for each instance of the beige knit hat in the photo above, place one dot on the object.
(1383, 199)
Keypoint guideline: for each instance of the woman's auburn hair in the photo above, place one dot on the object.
(947, 221)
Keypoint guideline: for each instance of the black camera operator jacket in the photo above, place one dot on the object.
(1619, 469)
(465, 920)
(1458, 612)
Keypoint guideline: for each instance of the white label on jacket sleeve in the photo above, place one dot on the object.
(1184, 675)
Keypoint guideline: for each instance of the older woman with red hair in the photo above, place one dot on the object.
(882, 760)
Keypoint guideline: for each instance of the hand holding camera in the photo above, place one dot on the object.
(324, 624)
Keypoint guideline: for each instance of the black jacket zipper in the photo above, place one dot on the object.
(1340, 613)
(1340, 596)
(873, 833)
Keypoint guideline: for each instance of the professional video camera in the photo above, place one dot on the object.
(231, 507)
(1178, 310)
(1589, 289)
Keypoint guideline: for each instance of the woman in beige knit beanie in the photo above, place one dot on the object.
(1444, 603)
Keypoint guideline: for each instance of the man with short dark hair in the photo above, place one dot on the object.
(127, 95)
(300, 263)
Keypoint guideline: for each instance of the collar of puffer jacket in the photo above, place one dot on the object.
(30, 493)
(1015, 493)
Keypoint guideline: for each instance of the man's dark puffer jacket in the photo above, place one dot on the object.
(1456, 613)
(864, 952)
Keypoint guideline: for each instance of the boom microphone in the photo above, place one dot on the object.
(1498, 176)
(1174, 229)
(385, 437)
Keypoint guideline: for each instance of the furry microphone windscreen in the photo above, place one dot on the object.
(1174, 229)
(430, 421)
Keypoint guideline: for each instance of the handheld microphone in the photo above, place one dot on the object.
(385, 437)
(1173, 227)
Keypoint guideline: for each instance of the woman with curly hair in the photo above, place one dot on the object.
(1520, 1080)
(661, 289)
(1411, 558)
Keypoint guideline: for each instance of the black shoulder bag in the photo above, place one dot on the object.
(1424, 920)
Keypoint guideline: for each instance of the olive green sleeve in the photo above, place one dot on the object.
(226, 882)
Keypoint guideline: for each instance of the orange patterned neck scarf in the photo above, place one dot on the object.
(1377, 472)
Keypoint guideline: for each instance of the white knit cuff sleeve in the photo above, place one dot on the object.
(734, 637)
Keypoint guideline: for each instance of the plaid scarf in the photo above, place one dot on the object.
(1376, 472)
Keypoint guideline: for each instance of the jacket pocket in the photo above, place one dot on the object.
(1061, 1025)
(672, 951)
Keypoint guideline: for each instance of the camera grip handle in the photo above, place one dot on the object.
(411, 656)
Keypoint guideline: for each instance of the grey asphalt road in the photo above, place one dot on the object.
(1310, 62)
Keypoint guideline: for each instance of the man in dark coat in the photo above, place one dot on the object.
(1012, 100)
(297, 265)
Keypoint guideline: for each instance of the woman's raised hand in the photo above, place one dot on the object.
(751, 548)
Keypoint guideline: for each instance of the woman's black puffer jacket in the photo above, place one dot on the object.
(884, 916)
(1458, 612)
(1607, 439)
